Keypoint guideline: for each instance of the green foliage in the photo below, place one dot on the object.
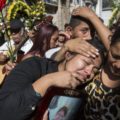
(115, 11)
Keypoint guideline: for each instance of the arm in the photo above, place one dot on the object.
(79, 46)
(55, 79)
(103, 32)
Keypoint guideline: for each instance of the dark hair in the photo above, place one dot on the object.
(43, 36)
(99, 45)
(116, 37)
(76, 20)
(16, 25)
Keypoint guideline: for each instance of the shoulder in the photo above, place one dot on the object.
(35, 60)
(35, 65)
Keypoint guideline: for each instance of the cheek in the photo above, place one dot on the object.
(52, 43)
(78, 34)
(76, 66)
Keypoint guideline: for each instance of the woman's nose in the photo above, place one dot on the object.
(89, 69)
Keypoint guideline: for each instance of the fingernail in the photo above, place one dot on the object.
(97, 53)
(93, 56)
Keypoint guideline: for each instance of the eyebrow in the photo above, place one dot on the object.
(90, 61)
(115, 56)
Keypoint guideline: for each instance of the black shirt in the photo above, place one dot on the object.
(17, 96)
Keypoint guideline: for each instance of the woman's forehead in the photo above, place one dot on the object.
(97, 61)
(84, 59)
(89, 60)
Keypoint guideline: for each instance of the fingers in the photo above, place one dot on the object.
(84, 53)
(88, 51)
(82, 47)
(45, 116)
(75, 81)
(80, 78)
(77, 11)
(11, 65)
(8, 67)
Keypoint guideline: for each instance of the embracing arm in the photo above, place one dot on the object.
(55, 79)
(78, 46)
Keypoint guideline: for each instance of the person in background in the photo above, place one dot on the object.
(46, 37)
(18, 33)
(62, 38)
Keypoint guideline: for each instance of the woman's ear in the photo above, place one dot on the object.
(68, 30)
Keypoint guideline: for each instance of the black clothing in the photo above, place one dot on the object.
(17, 96)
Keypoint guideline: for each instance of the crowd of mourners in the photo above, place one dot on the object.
(84, 58)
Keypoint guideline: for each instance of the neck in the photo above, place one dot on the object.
(109, 79)
(61, 66)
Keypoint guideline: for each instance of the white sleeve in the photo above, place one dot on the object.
(4, 47)
(27, 46)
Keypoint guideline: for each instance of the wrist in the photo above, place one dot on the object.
(41, 85)
(66, 46)
(93, 17)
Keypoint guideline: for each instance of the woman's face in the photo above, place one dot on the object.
(54, 38)
(61, 40)
(82, 66)
(114, 59)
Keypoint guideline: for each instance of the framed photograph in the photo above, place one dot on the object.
(63, 104)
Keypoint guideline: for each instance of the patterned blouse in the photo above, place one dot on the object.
(103, 103)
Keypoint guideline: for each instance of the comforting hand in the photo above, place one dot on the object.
(81, 46)
(84, 12)
(62, 79)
